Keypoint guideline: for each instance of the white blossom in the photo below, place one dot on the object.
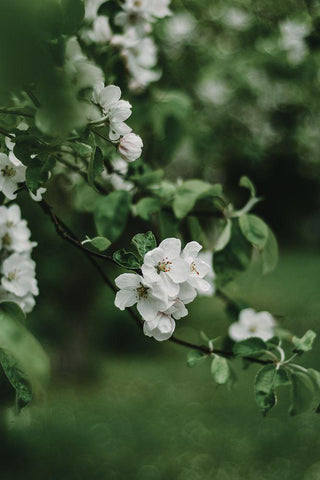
(130, 147)
(292, 39)
(207, 257)
(26, 303)
(91, 9)
(198, 269)
(161, 328)
(135, 290)
(19, 275)
(116, 110)
(164, 266)
(11, 175)
(99, 32)
(252, 324)
(14, 233)
(140, 13)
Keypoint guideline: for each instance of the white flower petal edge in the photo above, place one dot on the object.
(252, 324)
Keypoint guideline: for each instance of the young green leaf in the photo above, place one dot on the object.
(267, 380)
(195, 357)
(111, 214)
(302, 393)
(249, 346)
(146, 207)
(189, 192)
(270, 253)
(254, 229)
(95, 167)
(126, 259)
(22, 357)
(224, 236)
(144, 242)
(220, 370)
(100, 243)
(304, 344)
(246, 183)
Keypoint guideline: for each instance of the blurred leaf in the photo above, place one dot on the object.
(195, 357)
(220, 370)
(38, 171)
(254, 229)
(126, 259)
(111, 214)
(224, 236)
(301, 393)
(267, 380)
(95, 167)
(304, 344)
(22, 357)
(246, 183)
(144, 242)
(146, 207)
(270, 253)
(100, 243)
(249, 346)
(189, 192)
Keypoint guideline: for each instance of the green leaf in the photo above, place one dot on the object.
(224, 236)
(72, 15)
(267, 380)
(126, 259)
(246, 183)
(195, 357)
(22, 357)
(148, 178)
(315, 377)
(37, 172)
(270, 253)
(111, 214)
(304, 344)
(146, 207)
(250, 346)
(234, 258)
(301, 393)
(144, 242)
(220, 370)
(188, 193)
(254, 229)
(95, 167)
(100, 243)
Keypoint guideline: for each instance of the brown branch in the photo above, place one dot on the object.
(8, 111)
(66, 234)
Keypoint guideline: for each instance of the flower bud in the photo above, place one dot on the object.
(130, 147)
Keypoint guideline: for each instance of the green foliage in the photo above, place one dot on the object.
(301, 393)
(95, 167)
(22, 357)
(189, 192)
(126, 259)
(267, 380)
(144, 242)
(304, 344)
(234, 258)
(246, 183)
(100, 243)
(250, 346)
(254, 229)
(111, 214)
(220, 370)
(146, 207)
(270, 253)
(38, 171)
(195, 357)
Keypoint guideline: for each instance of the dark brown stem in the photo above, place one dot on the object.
(7, 111)
(66, 234)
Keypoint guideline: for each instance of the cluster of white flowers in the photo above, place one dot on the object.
(293, 34)
(137, 46)
(252, 324)
(17, 272)
(170, 280)
(13, 173)
(115, 112)
(96, 28)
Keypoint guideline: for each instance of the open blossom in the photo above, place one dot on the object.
(19, 275)
(161, 328)
(91, 9)
(116, 110)
(198, 268)
(130, 147)
(99, 32)
(140, 13)
(207, 256)
(135, 290)
(164, 265)
(26, 303)
(252, 324)
(11, 175)
(14, 233)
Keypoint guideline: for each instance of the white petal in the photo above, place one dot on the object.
(187, 293)
(179, 271)
(171, 247)
(247, 317)
(191, 249)
(265, 320)
(125, 298)
(109, 96)
(148, 308)
(237, 332)
(128, 281)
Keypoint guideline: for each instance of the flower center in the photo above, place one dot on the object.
(12, 275)
(252, 329)
(6, 239)
(142, 291)
(8, 171)
(163, 266)
(193, 268)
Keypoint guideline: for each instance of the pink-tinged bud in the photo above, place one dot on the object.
(130, 147)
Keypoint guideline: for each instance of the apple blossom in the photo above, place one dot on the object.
(198, 268)
(99, 32)
(207, 257)
(26, 303)
(135, 290)
(161, 328)
(11, 174)
(14, 233)
(19, 275)
(252, 324)
(130, 147)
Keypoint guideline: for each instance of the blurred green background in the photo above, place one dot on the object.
(239, 95)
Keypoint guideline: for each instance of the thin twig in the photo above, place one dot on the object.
(8, 111)
(32, 97)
